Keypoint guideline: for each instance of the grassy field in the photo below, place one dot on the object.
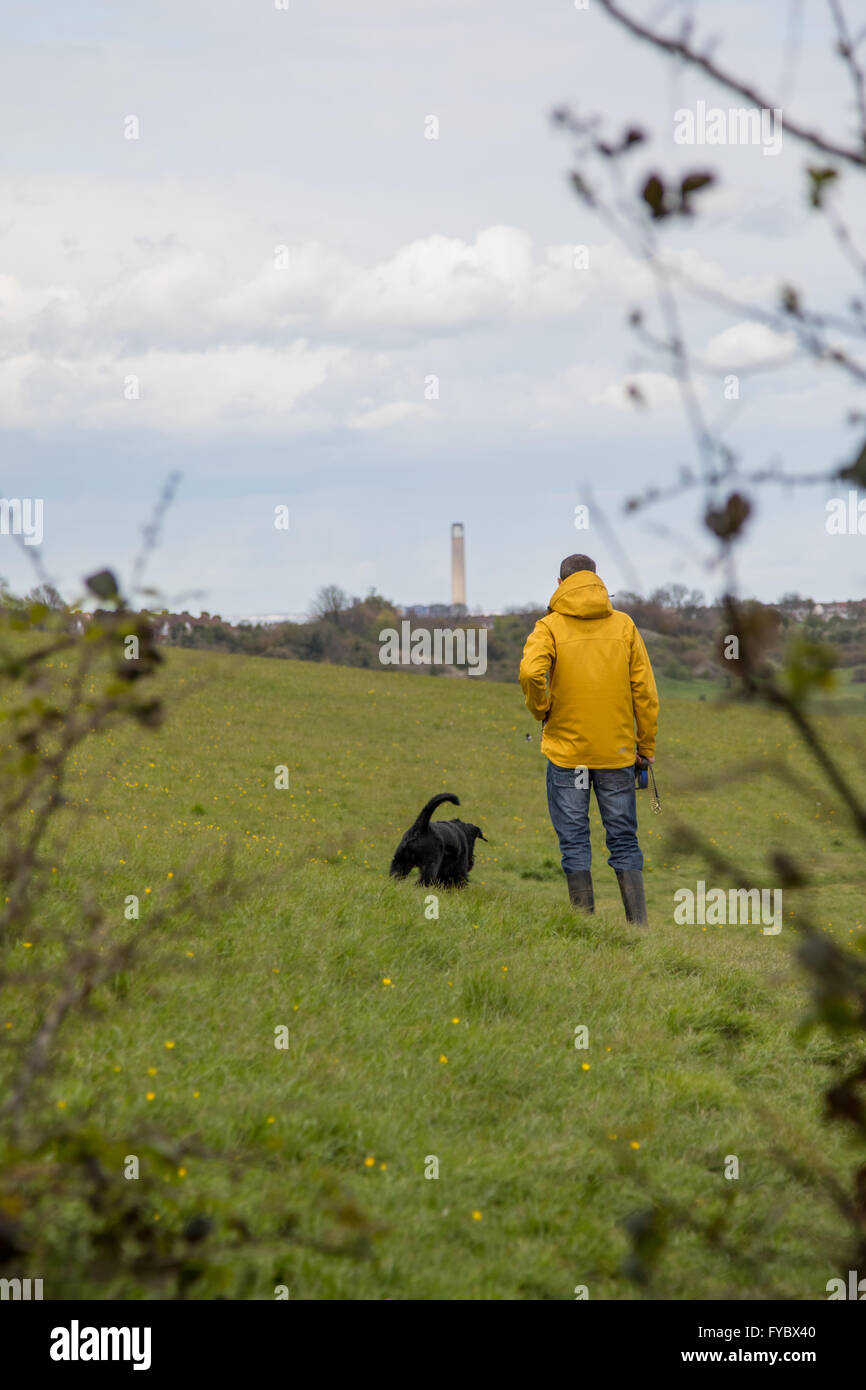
(411, 1037)
(846, 692)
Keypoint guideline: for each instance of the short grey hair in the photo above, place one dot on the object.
(572, 564)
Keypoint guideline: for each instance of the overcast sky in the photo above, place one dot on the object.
(298, 377)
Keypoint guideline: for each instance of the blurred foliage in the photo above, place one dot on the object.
(69, 1214)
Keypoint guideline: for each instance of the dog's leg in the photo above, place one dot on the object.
(433, 869)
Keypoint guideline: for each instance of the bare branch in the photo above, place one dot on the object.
(847, 53)
(682, 48)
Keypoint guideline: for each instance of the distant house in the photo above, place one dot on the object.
(849, 608)
(445, 613)
(263, 619)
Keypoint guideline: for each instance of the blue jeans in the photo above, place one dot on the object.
(569, 811)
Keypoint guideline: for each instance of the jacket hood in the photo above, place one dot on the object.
(582, 595)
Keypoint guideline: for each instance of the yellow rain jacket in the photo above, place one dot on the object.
(601, 684)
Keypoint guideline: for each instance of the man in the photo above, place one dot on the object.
(586, 674)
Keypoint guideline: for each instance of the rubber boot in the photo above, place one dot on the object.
(580, 890)
(633, 899)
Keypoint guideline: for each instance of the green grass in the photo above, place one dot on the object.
(844, 691)
(543, 1149)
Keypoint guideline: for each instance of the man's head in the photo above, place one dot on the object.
(572, 564)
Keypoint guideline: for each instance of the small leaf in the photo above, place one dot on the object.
(727, 521)
(653, 194)
(103, 584)
(856, 471)
(582, 188)
(819, 179)
(692, 182)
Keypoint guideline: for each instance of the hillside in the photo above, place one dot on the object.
(411, 1037)
(685, 644)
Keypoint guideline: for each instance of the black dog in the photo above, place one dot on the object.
(443, 851)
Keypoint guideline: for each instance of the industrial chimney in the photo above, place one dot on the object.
(458, 567)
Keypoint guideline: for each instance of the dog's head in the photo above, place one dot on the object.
(473, 833)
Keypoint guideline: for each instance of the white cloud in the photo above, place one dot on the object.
(747, 344)
(257, 389)
(658, 389)
(182, 289)
(380, 417)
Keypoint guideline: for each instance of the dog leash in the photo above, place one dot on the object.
(656, 799)
(656, 804)
(643, 770)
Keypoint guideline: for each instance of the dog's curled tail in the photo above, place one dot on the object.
(424, 815)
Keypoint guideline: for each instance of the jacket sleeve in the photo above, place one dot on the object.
(539, 654)
(644, 696)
